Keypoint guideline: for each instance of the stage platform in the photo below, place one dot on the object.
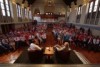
(24, 59)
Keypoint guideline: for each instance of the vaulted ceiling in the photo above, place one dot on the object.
(67, 2)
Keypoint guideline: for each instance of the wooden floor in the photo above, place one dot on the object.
(50, 39)
(6, 58)
(93, 57)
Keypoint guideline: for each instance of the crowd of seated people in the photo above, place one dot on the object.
(80, 37)
(63, 33)
(20, 37)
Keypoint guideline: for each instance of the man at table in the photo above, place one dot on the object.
(33, 46)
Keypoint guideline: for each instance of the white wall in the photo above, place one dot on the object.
(96, 32)
(15, 18)
(61, 19)
(72, 16)
(18, 26)
(93, 28)
(38, 18)
(83, 15)
(72, 19)
(99, 22)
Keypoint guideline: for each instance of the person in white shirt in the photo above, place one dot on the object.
(97, 48)
(62, 47)
(94, 41)
(34, 47)
(97, 41)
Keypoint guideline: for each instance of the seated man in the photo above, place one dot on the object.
(62, 47)
(34, 47)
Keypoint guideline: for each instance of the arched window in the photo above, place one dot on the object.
(91, 7)
(87, 8)
(2, 7)
(99, 8)
(26, 13)
(7, 7)
(18, 10)
(11, 8)
(22, 12)
(79, 10)
(96, 5)
(30, 14)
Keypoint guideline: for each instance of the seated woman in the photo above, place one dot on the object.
(62, 47)
(62, 53)
(33, 46)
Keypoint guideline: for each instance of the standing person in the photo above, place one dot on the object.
(94, 43)
(43, 36)
(30, 38)
(12, 43)
(90, 44)
(84, 40)
(27, 38)
(76, 40)
(66, 37)
(97, 43)
(38, 36)
(59, 39)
